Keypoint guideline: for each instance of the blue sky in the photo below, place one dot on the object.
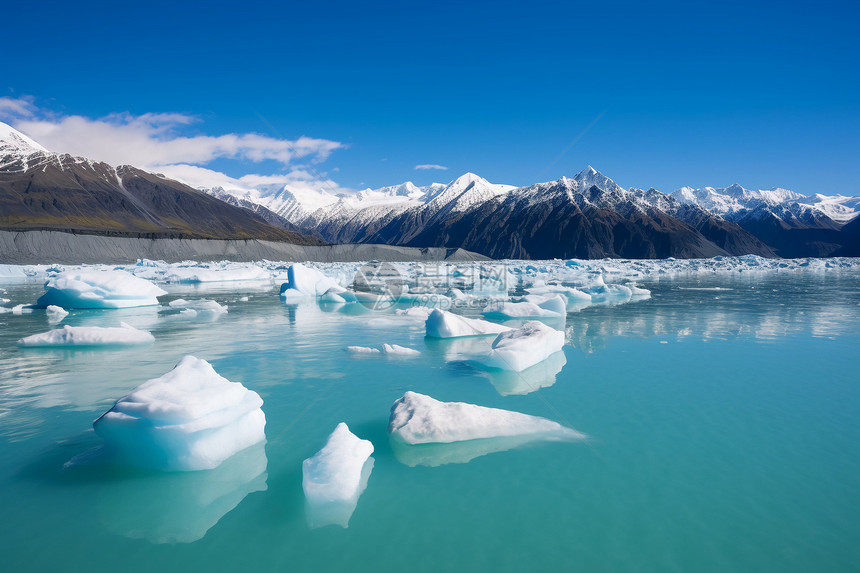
(675, 93)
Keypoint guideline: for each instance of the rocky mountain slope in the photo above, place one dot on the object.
(44, 190)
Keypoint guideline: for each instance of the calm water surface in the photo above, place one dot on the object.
(724, 435)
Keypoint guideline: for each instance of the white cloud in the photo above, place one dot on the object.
(151, 140)
(16, 107)
(160, 142)
(426, 166)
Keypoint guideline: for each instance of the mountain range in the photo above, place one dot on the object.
(587, 216)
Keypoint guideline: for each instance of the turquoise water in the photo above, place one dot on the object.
(724, 435)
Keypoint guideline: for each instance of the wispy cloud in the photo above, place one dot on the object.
(16, 107)
(427, 166)
(154, 139)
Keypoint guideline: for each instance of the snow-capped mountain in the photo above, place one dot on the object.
(468, 212)
(40, 189)
(795, 225)
(588, 215)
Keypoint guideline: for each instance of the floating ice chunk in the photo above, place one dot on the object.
(524, 347)
(610, 294)
(363, 350)
(305, 281)
(551, 306)
(576, 299)
(444, 324)
(397, 350)
(56, 313)
(180, 507)
(387, 349)
(22, 309)
(198, 308)
(419, 419)
(335, 477)
(232, 273)
(126, 335)
(330, 296)
(99, 289)
(639, 293)
(188, 419)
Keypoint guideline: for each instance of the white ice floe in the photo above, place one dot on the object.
(231, 273)
(99, 289)
(56, 313)
(419, 419)
(524, 347)
(125, 335)
(387, 349)
(304, 281)
(198, 308)
(363, 350)
(445, 324)
(397, 350)
(335, 477)
(188, 419)
(536, 306)
(576, 299)
(22, 309)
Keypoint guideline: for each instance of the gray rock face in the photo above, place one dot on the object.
(46, 247)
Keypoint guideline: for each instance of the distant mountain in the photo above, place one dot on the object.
(793, 224)
(587, 216)
(44, 190)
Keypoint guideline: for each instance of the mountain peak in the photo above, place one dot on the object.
(13, 140)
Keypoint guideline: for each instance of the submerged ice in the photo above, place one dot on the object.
(188, 419)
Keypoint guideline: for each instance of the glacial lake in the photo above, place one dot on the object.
(722, 415)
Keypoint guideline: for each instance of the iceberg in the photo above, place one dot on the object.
(99, 289)
(362, 350)
(550, 306)
(188, 419)
(419, 419)
(397, 350)
(445, 324)
(303, 282)
(56, 313)
(125, 335)
(232, 273)
(199, 308)
(524, 347)
(387, 349)
(335, 477)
